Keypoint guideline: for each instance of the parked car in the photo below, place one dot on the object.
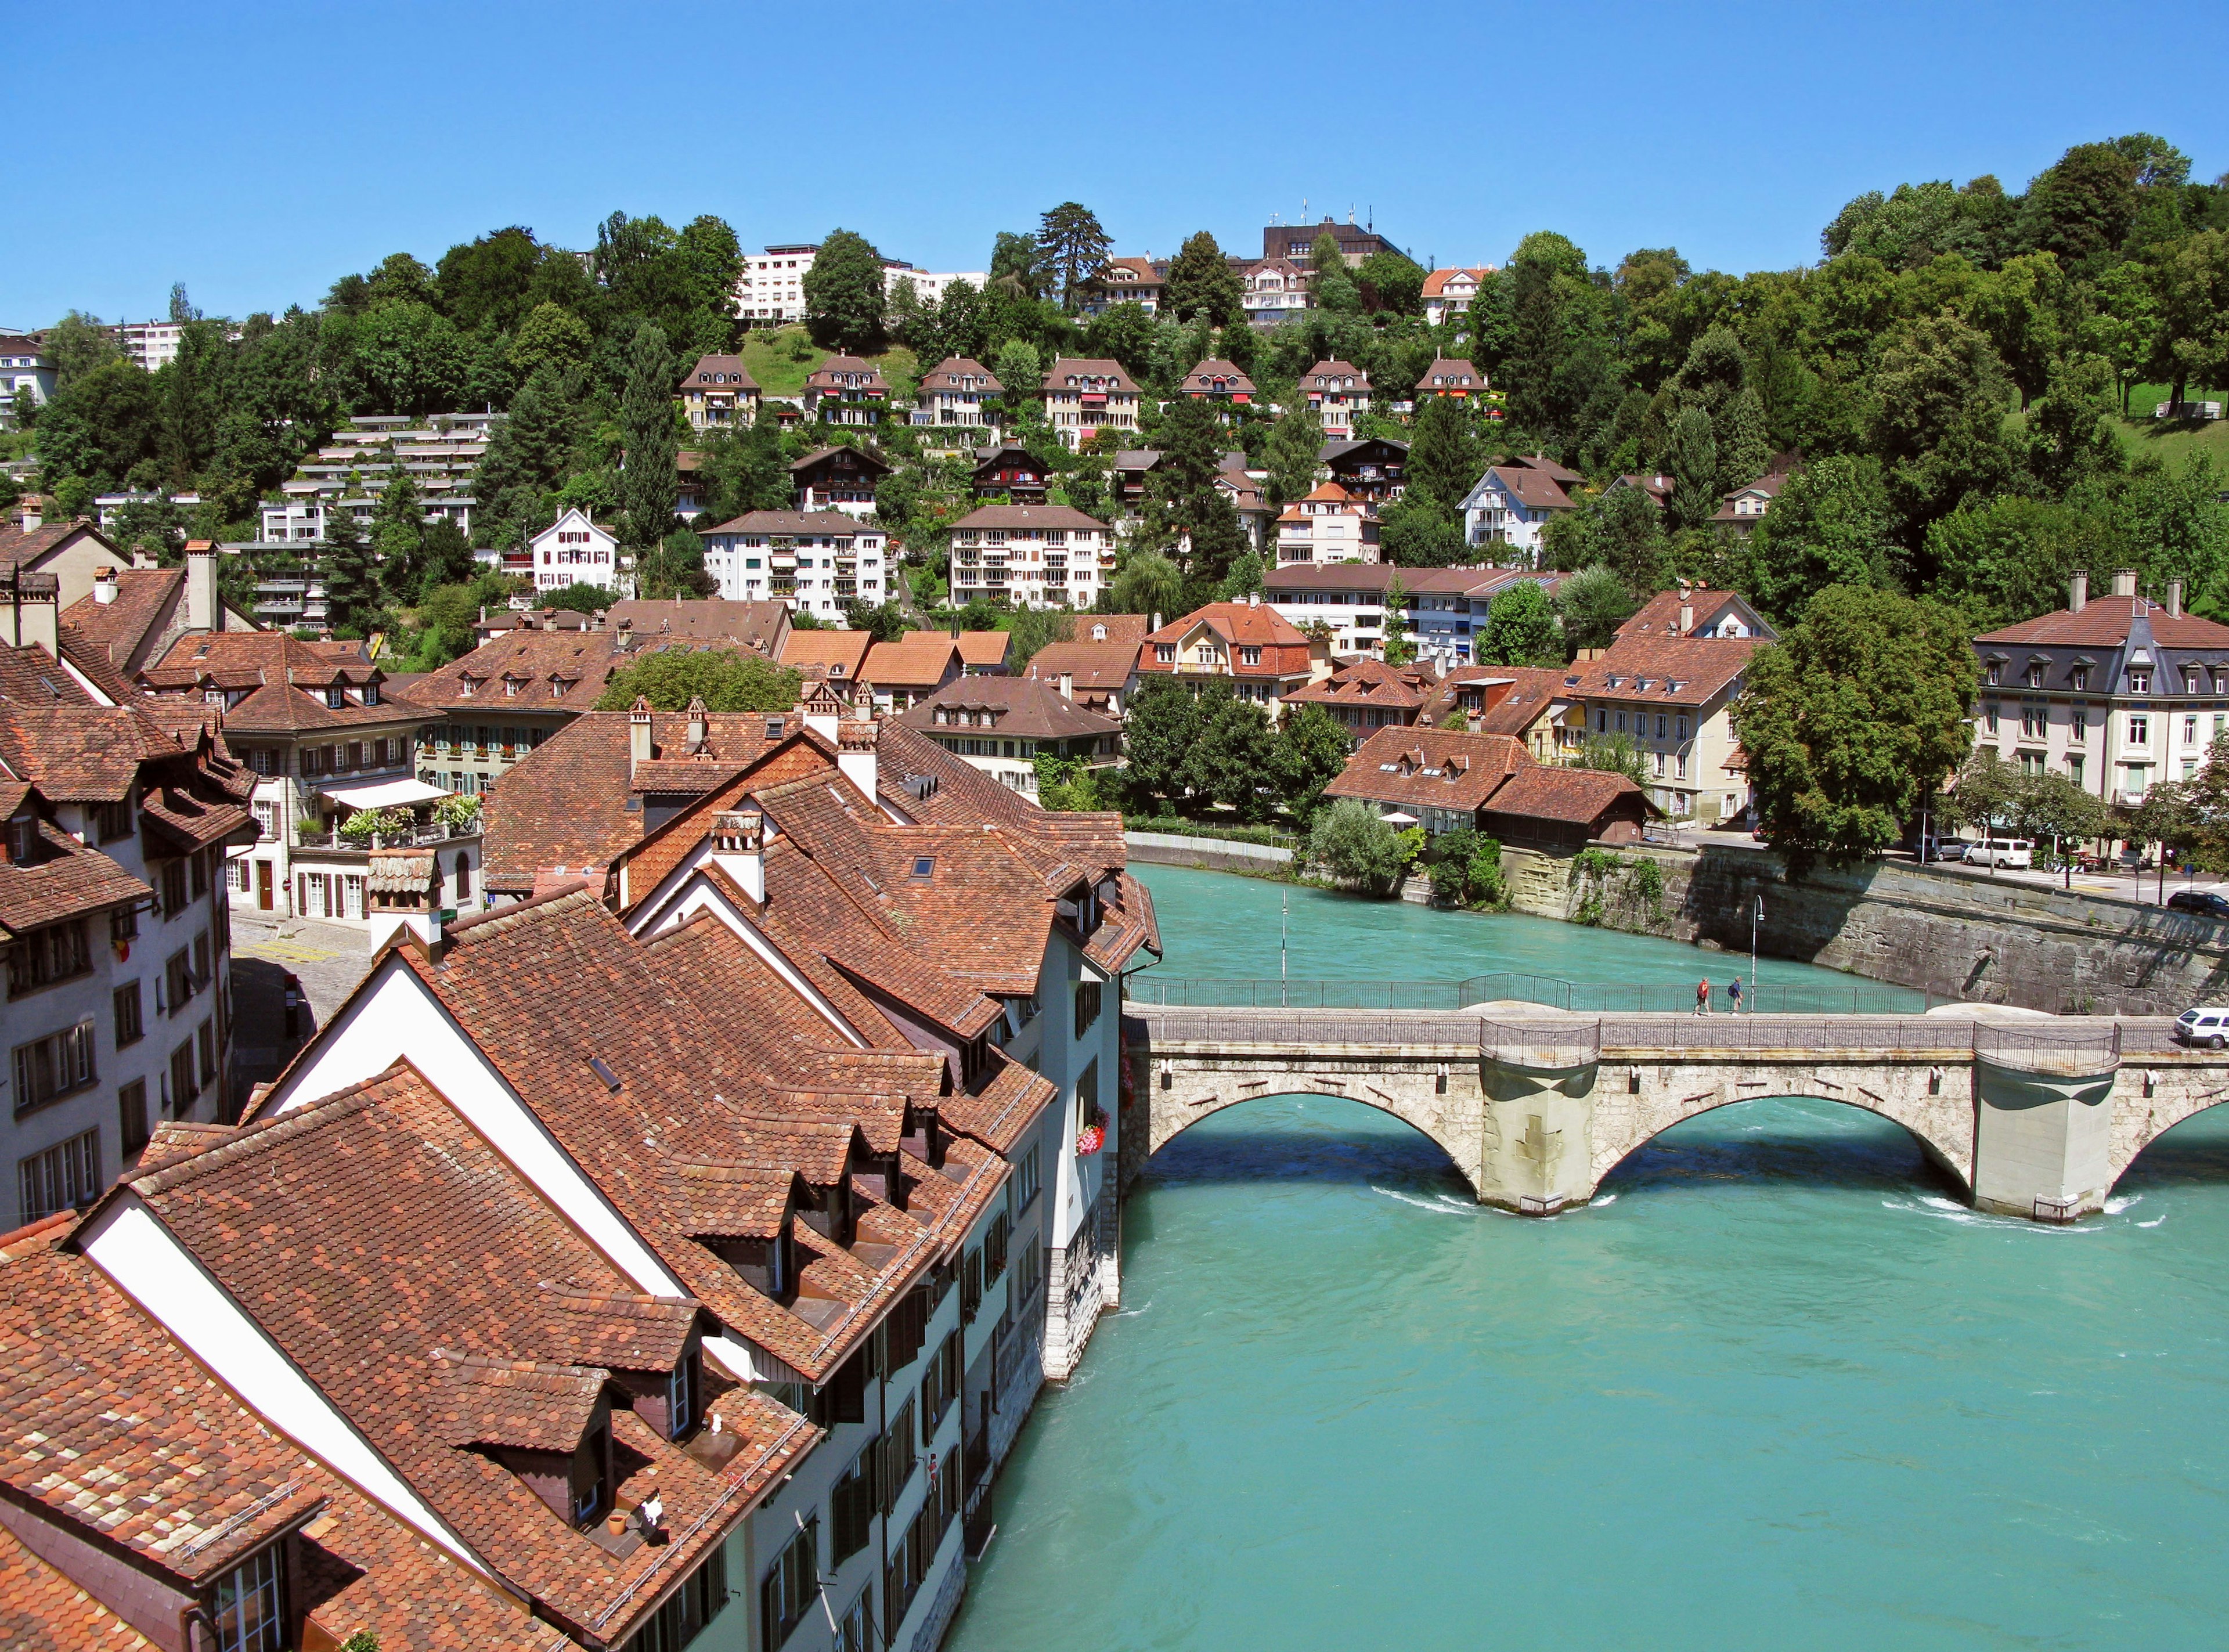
(1946, 849)
(2203, 1025)
(2208, 902)
(2001, 851)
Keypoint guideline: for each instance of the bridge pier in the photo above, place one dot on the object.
(2042, 1141)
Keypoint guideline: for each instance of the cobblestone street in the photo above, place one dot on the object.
(288, 977)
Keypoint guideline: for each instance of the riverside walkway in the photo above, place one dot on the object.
(1536, 1104)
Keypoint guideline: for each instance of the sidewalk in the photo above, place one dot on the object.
(288, 977)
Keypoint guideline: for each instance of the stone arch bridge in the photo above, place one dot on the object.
(1536, 1108)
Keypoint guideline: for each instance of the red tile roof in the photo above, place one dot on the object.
(1665, 671)
(2105, 622)
(1429, 769)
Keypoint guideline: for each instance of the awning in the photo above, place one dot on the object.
(386, 794)
(1399, 818)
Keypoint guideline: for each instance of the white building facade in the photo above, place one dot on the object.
(815, 561)
(574, 550)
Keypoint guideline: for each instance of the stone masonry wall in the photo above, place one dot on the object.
(1956, 935)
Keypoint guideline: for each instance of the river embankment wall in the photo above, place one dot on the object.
(1956, 935)
(1213, 854)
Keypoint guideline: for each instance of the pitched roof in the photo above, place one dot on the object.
(1202, 377)
(1370, 683)
(856, 457)
(985, 647)
(1429, 769)
(1338, 371)
(731, 367)
(2105, 623)
(1454, 372)
(1545, 792)
(1023, 707)
(941, 376)
(1436, 283)
(846, 649)
(919, 659)
(755, 625)
(1031, 515)
(1665, 671)
(1240, 623)
(792, 521)
(25, 547)
(1535, 489)
(1548, 467)
(1067, 367)
(831, 373)
(120, 627)
(1095, 668)
(1531, 692)
(278, 670)
(1659, 616)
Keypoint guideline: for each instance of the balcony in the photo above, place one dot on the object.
(421, 836)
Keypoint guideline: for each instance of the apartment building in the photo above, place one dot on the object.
(1031, 555)
(1673, 696)
(1339, 393)
(1510, 508)
(1364, 696)
(770, 292)
(1002, 725)
(814, 561)
(574, 550)
(1298, 241)
(2116, 693)
(1450, 292)
(1099, 663)
(117, 815)
(929, 286)
(847, 390)
(1216, 380)
(1083, 396)
(717, 395)
(439, 452)
(837, 479)
(958, 392)
(1446, 608)
(26, 375)
(1329, 525)
(1266, 657)
(1273, 290)
(1141, 281)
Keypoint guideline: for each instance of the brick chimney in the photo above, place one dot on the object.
(2077, 593)
(2174, 599)
(638, 735)
(2124, 583)
(856, 744)
(739, 848)
(202, 612)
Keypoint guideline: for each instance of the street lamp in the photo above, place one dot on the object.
(1756, 918)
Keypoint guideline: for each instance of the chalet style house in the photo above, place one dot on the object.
(1264, 656)
(1339, 393)
(1442, 781)
(837, 479)
(718, 395)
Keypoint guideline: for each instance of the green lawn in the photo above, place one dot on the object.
(2174, 441)
(780, 362)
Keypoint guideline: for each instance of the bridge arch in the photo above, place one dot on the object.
(2149, 1108)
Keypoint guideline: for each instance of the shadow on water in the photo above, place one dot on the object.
(1783, 1141)
(1318, 1139)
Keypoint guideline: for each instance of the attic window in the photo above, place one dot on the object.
(602, 1070)
(924, 866)
(773, 729)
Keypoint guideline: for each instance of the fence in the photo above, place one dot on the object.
(1858, 997)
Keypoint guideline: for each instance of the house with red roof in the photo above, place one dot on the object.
(1340, 393)
(1443, 781)
(1450, 292)
(1264, 654)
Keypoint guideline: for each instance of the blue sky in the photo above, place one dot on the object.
(257, 151)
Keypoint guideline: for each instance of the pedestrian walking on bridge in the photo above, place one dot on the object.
(1734, 996)
(1703, 996)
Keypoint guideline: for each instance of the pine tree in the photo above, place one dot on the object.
(1202, 283)
(1292, 454)
(352, 606)
(1692, 459)
(526, 458)
(1076, 246)
(398, 536)
(652, 479)
(1443, 459)
(1744, 449)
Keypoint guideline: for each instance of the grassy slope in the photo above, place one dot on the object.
(2175, 442)
(780, 362)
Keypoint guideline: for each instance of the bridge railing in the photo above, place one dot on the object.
(2074, 1054)
(1551, 991)
(1543, 1045)
(1312, 1029)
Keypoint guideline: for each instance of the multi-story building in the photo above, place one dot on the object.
(1530, 704)
(770, 292)
(1672, 697)
(815, 561)
(718, 395)
(1452, 378)
(324, 743)
(899, 675)
(1009, 471)
(1265, 656)
(1339, 393)
(1450, 292)
(150, 344)
(1512, 504)
(837, 479)
(73, 553)
(958, 392)
(1298, 241)
(1003, 724)
(1083, 396)
(1329, 525)
(1141, 281)
(847, 390)
(1216, 380)
(27, 375)
(1446, 608)
(1740, 510)
(1098, 663)
(573, 551)
(439, 452)
(1031, 555)
(929, 286)
(1274, 289)
(118, 814)
(1371, 468)
(1445, 781)
(2114, 693)
(134, 614)
(1366, 695)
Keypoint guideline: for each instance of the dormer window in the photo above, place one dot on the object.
(591, 1476)
(1995, 672)
(336, 697)
(250, 1612)
(2035, 679)
(683, 1386)
(371, 694)
(2079, 679)
(2140, 679)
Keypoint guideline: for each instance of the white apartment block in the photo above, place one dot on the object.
(1031, 556)
(928, 285)
(771, 291)
(574, 550)
(27, 378)
(1329, 525)
(815, 561)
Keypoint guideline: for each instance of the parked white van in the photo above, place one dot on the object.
(2001, 851)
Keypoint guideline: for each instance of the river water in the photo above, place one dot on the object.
(1774, 1388)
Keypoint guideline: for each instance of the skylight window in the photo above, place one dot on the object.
(924, 866)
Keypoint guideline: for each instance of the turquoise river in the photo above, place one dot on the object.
(1774, 1388)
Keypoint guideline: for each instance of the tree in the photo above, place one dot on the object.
(1443, 458)
(1019, 268)
(885, 623)
(352, 603)
(1465, 869)
(78, 344)
(1394, 282)
(578, 597)
(726, 680)
(1592, 603)
(1829, 525)
(1292, 453)
(1147, 583)
(1612, 754)
(1184, 507)
(1031, 629)
(1398, 648)
(1520, 628)
(526, 458)
(651, 480)
(2054, 806)
(1851, 719)
(1938, 421)
(552, 335)
(1075, 248)
(102, 426)
(2029, 312)
(1229, 761)
(1982, 795)
(1355, 848)
(398, 536)
(2192, 341)
(1628, 539)
(1122, 332)
(2164, 818)
(1331, 283)
(1160, 726)
(1692, 457)
(1309, 753)
(1066, 784)
(2081, 207)
(844, 294)
(1414, 531)
(1202, 283)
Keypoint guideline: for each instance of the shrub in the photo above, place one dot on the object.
(1354, 847)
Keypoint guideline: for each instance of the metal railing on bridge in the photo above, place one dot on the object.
(2075, 1053)
(1551, 991)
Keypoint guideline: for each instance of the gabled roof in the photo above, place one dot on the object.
(2106, 621)
(1529, 692)
(859, 458)
(919, 659)
(1031, 515)
(1561, 473)
(952, 368)
(1452, 373)
(1116, 375)
(985, 647)
(1341, 370)
(29, 547)
(1659, 616)
(278, 670)
(1240, 623)
(728, 368)
(831, 373)
(1579, 796)
(1370, 683)
(1201, 378)
(1667, 671)
(1436, 283)
(817, 523)
(1429, 769)
(842, 653)
(1023, 708)
(1534, 488)
(1096, 669)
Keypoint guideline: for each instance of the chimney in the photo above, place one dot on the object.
(104, 586)
(638, 735)
(696, 722)
(855, 753)
(1153, 623)
(30, 612)
(2077, 594)
(2174, 599)
(2124, 583)
(201, 611)
(739, 848)
(143, 557)
(1067, 686)
(1686, 619)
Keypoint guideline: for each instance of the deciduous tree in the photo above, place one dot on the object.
(844, 294)
(1520, 628)
(726, 680)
